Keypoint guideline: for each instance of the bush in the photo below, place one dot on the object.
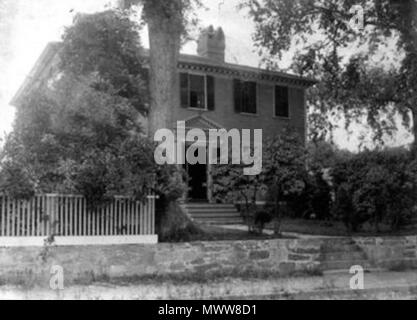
(376, 187)
(314, 202)
(262, 217)
(15, 181)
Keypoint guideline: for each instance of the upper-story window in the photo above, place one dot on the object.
(282, 106)
(197, 91)
(245, 96)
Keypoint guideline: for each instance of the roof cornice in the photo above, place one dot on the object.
(244, 73)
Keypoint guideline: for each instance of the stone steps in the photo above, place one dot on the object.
(213, 214)
(342, 255)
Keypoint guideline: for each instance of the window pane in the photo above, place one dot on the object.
(184, 94)
(197, 92)
(249, 97)
(238, 94)
(245, 96)
(210, 93)
(281, 102)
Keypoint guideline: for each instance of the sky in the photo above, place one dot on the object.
(26, 26)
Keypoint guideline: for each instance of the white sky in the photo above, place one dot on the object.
(26, 26)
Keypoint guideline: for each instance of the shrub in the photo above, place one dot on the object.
(262, 217)
(314, 201)
(376, 187)
(15, 181)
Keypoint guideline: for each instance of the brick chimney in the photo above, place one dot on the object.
(212, 44)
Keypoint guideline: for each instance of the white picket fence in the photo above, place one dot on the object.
(70, 222)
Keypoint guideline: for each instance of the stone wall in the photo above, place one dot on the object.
(282, 257)
(390, 252)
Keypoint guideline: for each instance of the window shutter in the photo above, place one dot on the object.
(185, 92)
(237, 93)
(210, 93)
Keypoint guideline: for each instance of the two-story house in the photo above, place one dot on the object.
(215, 94)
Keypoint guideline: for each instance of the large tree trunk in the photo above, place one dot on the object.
(165, 24)
(165, 21)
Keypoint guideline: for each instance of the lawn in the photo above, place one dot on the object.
(291, 229)
(337, 228)
(215, 233)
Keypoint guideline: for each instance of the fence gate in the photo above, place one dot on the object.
(67, 220)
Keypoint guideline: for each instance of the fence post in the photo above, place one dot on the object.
(13, 217)
(2, 225)
(153, 216)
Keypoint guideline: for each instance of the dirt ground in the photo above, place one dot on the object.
(378, 285)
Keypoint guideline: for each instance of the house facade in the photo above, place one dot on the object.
(214, 94)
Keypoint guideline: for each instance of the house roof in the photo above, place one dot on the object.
(189, 62)
(39, 72)
(192, 62)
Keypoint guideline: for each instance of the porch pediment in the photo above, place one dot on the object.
(201, 122)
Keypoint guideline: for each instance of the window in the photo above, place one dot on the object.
(282, 108)
(197, 91)
(245, 96)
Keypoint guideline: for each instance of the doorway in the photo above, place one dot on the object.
(197, 182)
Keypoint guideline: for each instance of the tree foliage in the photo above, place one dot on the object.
(80, 131)
(323, 155)
(106, 48)
(283, 175)
(351, 85)
(376, 187)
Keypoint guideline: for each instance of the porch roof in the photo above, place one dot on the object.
(201, 122)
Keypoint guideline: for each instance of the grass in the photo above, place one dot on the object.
(338, 229)
(214, 233)
(296, 226)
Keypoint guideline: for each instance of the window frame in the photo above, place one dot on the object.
(256, 100)
(189, 73)
(274, 107)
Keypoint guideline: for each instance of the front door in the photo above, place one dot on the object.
(197, 184)
(197, 181)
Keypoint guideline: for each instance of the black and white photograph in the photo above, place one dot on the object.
(239, 151)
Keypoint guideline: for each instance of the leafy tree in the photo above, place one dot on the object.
(284, 168)
(351, 85)
(79, 132)
(16, 179)
(283, 175)
(231, 185)
(323, 155)
(376, 187)
(104, 49)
